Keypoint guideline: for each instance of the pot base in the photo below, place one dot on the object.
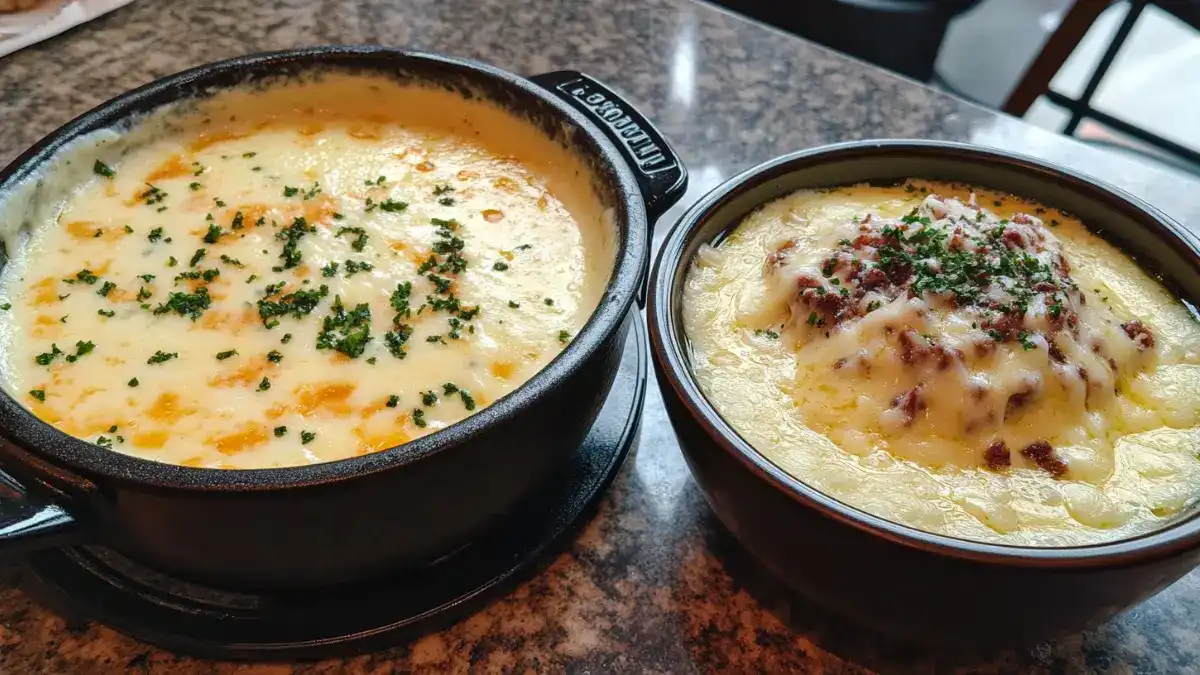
(95, 584)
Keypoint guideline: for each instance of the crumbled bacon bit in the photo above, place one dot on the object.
(1139, 333)
(840, 363)
(1056, 353)
(997, 456)
(909, 403)
(1042, 454)
(872, 279)
(1030, 388)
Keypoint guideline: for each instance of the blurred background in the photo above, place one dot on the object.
(1124, 75)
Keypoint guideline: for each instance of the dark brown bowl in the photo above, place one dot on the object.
(885, 575)
(354, 518)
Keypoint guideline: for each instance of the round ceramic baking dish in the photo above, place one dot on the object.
(887, 575)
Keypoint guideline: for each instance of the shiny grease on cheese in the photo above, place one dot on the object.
(296, 274)
(963, 362)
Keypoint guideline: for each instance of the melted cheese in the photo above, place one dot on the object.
(349, 171)
(824, 401)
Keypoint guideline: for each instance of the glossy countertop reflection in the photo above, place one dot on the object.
(653, 584)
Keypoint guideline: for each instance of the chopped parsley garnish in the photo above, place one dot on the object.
(194, 186)
(307, 437)
(392, 401)
(160, 357)
(354, 267)
(106, 288)
(428, 398)
(400, 298)
(418, 418)
(396, 338)
(46, 358)
(186, 304)
(330, 270)
(514, 305)
(392, 206)
(468, 402)
(6, 306)
(500, 266)
(197, 257)
(435, 339)
(563, 336)
(264, 385)
(221, 356)
(440, 284)
(280, 431)
(446, 201)
(248, 155)
(291, 236)
(192, 275)
(289, 191)
(297, 305)
(39, 394)
(1024, 338)
(128, 229)
(152, 195)
(146, 277)
(250, 279)
(102, 169)
(133, 382)
(239, 221)
(83, 276)
(549, 301)
(81, 349)
(441, 189)
(219, 204)
(312, 192)
(346, 332)
(373, 360)
(338, 216)
(213, 235)
(233, 262)
(287, 337)
(274, 356)
(360, 239)
(106, 312)
(172, 261)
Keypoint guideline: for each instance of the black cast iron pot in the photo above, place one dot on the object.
(350, 519)
(889, 576)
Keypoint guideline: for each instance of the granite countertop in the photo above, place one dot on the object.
(653, 584)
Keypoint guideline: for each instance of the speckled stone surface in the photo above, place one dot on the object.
(653, 584)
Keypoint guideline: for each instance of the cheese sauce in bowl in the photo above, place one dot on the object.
(953, 359)
(296, 274)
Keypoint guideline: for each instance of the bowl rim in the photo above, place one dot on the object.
(670, 357)
(631, 260)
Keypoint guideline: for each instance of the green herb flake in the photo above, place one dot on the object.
(418, 418)
(468, 402)
(221, 356)
(514, 305)
(287, 337)
(6, 306)
(280, 431)
(186, 304)
(274, 356)
(161, 357)
(197, 257)
(102, 169)
(392, 401)
(289, 191)
(563, 336)
(307, 437)
(346, 332)
(172, 261)
(264, 385)
(39, 394)
(106, 288)
(392, 206)
(428, 398)
(549, 302)
(500, 266)
(133, 382)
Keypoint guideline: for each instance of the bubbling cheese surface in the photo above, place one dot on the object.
(299, 273)
(963, 362)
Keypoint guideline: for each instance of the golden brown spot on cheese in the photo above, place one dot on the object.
(364, 132)
(505, 183)
(493, 215)
(467, 174)
(169, 407)
(247, 374)
(45, 319)
(149, 440)
(173, 167)
(114, 360)
(249, 436)
(194, 462)
(42, 411)
(374, 441)
(310, 129)
(330, 397)
(374, 408)
(543, 203)
(207, 140)
(82, 229)
(121, 295)
(319, 211)
(45, 292)
(426, 166)
(503, 369)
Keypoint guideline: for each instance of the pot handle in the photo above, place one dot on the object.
(28, 524)
(660, 173)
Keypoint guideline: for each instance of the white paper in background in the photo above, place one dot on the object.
(21, 29)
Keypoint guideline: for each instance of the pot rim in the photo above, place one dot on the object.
(669, 353)
(631, 259)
